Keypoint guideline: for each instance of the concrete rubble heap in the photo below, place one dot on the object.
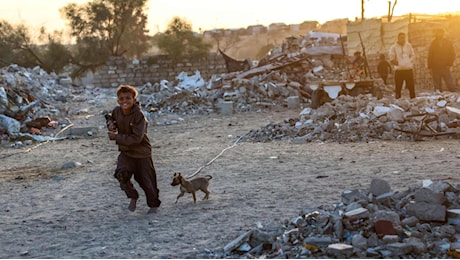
(35, 106)
(31, 99)
(420, 222)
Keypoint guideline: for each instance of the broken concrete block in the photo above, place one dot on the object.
(410, 221)
(429, 196)
(427, 211)
(11, 125)
(340, 250)
(390, 239)
(81, 131)
(293, 102)
(399, 249)
(379, 187)
(418, 246)
(226, 108)
(453, 216)
(319, 241)
(359, 241)
(357, 214)
(385, 199)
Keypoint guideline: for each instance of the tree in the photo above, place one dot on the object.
(390, 15)
(180, 42)
(105, 28)
(17, 46)
(223, 42)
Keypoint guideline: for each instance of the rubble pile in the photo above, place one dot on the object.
(35, 106)
(362, 118)
(420, 222)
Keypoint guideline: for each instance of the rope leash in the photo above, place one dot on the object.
(215, 158)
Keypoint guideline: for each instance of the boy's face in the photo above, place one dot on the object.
(126, 101)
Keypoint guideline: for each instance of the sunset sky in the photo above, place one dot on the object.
(211, 14)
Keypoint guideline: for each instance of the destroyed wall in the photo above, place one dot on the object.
(377, 37)
(119, 70)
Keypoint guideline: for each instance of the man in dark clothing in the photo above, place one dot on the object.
(441, 56)
(129, 129)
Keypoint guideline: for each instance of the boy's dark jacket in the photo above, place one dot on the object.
(132, 138)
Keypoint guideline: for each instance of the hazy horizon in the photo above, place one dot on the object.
(208, 15)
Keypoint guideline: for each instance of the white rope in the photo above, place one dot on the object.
(215, 158)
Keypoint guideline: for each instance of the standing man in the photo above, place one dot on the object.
(402, 56)
(441, 56)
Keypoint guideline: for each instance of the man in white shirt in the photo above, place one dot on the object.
(402, 56)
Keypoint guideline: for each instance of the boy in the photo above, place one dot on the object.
(383, 68)
(128, 128)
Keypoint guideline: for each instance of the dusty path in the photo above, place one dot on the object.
(49, 212)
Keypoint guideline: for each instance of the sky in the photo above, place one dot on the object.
(215, 14)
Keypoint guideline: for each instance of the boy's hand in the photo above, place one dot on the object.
(112, 126)
(112, 135)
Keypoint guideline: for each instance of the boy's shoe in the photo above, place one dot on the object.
(132, 205)
(152, 210)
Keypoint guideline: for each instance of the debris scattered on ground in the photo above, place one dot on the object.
(31, 99)
(420, 222)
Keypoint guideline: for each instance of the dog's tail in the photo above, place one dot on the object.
(208, 177)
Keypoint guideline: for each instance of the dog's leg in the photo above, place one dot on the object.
(206, 194)
(194, 197)
(180, 195)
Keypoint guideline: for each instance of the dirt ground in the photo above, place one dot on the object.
(80, 212)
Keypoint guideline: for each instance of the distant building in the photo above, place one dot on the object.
(212, 33)
(309, 25)
(256, 29)
(294, 27)
(276, 27)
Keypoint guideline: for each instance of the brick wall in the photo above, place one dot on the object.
(119, 70)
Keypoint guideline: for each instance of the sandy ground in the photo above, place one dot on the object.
(80, 212)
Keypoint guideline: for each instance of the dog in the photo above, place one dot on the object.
(192, 186)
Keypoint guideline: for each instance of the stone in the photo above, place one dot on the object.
(427, 211)
(429, 196)
(340, 250)
(226, 108)
(410, 221)
(379, 187)
(357, 214)
(359, 241)
(293, 102)
(399, 249)
(389, 239)
(453, 216)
